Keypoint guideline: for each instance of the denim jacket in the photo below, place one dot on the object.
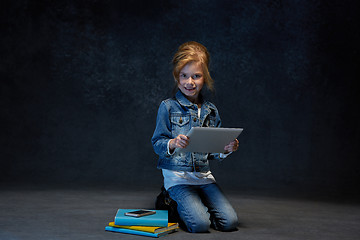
(177, 116)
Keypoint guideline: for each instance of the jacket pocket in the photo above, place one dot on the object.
(180, 124)
(180, 121)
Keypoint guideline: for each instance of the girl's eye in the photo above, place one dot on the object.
(182, 75)
(196, 76)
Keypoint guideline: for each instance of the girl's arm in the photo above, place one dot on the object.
(162, 133)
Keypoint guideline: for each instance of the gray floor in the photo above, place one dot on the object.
(83, 214)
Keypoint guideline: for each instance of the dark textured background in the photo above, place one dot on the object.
(81, 82)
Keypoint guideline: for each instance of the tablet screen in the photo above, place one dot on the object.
(209, 139)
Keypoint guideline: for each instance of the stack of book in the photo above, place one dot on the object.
(154, 225)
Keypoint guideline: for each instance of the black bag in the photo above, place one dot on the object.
(165, 202)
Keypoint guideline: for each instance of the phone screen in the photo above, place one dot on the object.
(140, 213)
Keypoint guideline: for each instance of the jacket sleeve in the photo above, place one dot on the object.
(162, 133)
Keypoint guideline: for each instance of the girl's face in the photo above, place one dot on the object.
(191, 81)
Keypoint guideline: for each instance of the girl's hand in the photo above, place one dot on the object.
(232, 147)
(180, 141)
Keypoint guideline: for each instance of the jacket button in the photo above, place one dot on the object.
(195, 119)
(180, 121)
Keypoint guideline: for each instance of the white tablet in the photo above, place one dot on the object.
(210, 139)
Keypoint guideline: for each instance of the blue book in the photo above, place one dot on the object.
(159, 219)
(130, 231)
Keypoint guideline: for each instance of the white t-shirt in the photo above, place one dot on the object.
(172, 178)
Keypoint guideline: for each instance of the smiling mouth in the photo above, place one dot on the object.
(190, 89)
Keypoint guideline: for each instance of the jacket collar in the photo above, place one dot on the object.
(185, 102)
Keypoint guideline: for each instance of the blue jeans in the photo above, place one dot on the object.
(200, 206)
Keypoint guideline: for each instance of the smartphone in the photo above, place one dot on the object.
(140, 213)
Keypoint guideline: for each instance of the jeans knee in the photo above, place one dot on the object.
(200, 226)
(230, 223)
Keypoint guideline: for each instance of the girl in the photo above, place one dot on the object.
(187, 176)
